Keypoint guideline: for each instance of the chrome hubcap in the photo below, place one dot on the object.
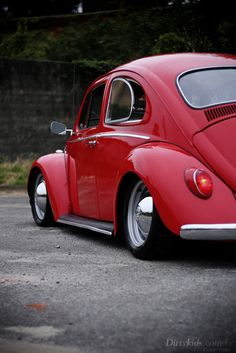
(40, 197)
(140, 212)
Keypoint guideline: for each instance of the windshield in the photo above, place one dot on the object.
(206, 87)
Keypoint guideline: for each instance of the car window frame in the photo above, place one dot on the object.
(89, 95)
(182, 74)
(126, 119)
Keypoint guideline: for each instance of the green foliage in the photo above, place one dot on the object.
(91, 69)
(99, 42)
(114, 39)
(14, 173)
(170, 43)
(24, 44)
(118, 39)
(226, 35)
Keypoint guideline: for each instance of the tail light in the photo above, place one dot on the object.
(199, 182)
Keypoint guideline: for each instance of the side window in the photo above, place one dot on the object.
(121, 100)
(90, 115)
(127, 101)
(139, 106)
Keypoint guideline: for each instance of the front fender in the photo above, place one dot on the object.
(53, 168)
(161, 166)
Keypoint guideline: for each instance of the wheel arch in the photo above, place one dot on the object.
(124, 185)
(31, 178)
(53, 168)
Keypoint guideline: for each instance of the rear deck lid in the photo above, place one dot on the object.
(217, 145)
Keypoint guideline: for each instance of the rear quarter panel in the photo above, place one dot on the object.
(161, 166)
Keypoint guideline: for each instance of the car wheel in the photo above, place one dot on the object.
(40, 204)
(145, 234)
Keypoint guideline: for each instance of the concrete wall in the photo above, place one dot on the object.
(32, 94)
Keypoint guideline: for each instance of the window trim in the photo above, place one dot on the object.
(121, 120)
(207, 68)
(90, 93)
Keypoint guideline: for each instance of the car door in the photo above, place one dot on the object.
(83, 154)
(122, 130)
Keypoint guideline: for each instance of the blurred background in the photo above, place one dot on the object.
(50, 51)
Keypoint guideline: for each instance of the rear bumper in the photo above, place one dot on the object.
(226, 231)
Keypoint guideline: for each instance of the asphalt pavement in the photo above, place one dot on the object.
(66, 290)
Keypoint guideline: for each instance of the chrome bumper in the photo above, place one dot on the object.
(226, 231)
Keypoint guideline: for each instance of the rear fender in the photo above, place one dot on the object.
(54, 170)
(161, 166)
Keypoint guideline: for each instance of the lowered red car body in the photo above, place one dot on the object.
(151, 155)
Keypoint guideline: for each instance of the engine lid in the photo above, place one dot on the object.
(217, 145)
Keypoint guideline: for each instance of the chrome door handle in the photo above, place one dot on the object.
(92, 143)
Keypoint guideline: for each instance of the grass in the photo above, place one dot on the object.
(14, 174)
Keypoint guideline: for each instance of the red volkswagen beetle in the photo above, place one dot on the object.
(151, 156)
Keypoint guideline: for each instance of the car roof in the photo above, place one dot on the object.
(174, 64)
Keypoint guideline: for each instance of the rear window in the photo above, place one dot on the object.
(203, 88)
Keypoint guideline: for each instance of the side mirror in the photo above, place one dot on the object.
(59, 128)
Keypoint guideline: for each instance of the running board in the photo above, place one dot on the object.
(86, 223)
